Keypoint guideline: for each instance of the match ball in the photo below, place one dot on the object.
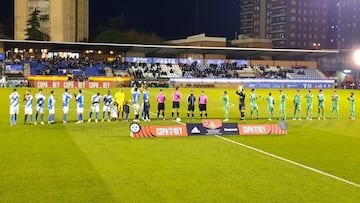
(178, 119)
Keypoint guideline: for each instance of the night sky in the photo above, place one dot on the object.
(170, 19)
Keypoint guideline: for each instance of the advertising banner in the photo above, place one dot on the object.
(2, 57)
(261, 129)
(70, 84)
(212, 127)
(157, 131)
(138, 60)
(263, 85)
(239, 62)
(208, 127)
(173, 61)
(260, 83)
(308, 85)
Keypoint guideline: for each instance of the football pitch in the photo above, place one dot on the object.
(317, 161)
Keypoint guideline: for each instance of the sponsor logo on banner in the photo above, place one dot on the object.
(160, 131)
(212, 127)
(212, 123)
(261, 129)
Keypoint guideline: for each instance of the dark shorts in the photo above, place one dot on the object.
(176, 105)
(202, 107)
(161, 106)
(191, 108)
(241, 106)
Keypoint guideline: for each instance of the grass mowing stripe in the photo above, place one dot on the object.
(286, 160)
(289, 161)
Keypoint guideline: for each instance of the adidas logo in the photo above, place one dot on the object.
(195, 130)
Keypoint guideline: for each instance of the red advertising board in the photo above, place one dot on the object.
(71, 84)
(161, 131)
(261, 129)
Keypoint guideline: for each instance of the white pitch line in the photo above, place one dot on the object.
(291, 162)
(286, 160)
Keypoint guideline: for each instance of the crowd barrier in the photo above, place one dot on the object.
(252, 83)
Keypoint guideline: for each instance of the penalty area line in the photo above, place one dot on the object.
(289, 161)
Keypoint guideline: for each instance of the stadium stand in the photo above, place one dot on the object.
(83, 68)
(143, 70)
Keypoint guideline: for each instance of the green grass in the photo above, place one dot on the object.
(99, 162)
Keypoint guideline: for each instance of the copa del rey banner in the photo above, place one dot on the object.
(207, 127)
(71, 84)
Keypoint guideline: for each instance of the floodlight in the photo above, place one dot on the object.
(357, 57)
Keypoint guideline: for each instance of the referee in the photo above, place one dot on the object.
(191, 105)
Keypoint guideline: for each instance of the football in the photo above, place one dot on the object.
(178, 119)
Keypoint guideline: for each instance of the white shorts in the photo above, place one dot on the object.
(28, 111)
(106, 108)
(52, 111)
(40, 109)
(66, 109)
(14, 110)
(96, 109)
(80, 109)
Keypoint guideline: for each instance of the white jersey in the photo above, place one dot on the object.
(28, 104)
(40, 102)
(29, 101)
(95, 100)
(95, 103)
(107, 100)
(14, 103)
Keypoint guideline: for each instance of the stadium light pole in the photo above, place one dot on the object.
(357, 62)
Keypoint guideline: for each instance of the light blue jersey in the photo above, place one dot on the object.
(66, 99)
(80, 101)
(135, 96)
(14, 100)
(51, 102)
(146, 96)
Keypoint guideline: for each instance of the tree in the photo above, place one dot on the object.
(33, 28)
(115, 31)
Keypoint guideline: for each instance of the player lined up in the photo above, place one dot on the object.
(297, 102)
(117, 107)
